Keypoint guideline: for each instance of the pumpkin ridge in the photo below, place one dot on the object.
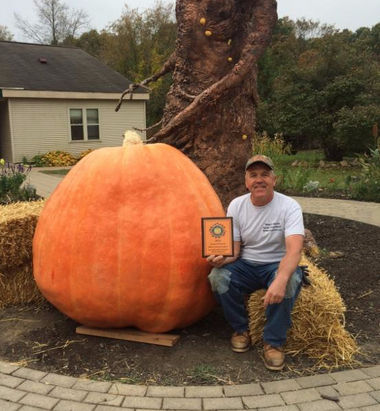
(87, 275)
(156, 311)
(165, 309)
(120, 227)
(50, 220)
(84, 188)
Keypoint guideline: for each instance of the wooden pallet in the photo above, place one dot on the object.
(130, 334)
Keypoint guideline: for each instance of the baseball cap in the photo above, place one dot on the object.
(260, 158)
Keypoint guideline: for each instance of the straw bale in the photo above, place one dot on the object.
(18, 287)
(318, 322)
(17, 224)
(310, 246)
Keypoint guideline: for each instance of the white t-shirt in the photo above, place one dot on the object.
(262, 230)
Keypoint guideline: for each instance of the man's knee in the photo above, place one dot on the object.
(220, 279)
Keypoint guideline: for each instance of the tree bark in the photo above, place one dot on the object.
(210, 108)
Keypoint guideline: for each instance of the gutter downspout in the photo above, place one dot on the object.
(11, 129)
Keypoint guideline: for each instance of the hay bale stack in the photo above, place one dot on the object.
(18, 287)
(17, 224)
(318, 322)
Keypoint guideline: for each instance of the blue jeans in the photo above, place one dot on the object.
(232, 282)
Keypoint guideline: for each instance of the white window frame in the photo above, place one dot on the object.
(84, 124)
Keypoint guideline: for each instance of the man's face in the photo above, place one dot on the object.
(260, 181)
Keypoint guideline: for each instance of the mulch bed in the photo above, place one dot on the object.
(42, 338)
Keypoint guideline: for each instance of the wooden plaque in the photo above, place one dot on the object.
(217, 236)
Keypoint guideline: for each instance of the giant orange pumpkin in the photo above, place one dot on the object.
(118, 242)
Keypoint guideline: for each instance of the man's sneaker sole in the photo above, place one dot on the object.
(245, 349)
(274, 367)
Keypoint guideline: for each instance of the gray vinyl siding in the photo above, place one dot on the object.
(42, 125)
(5, 132)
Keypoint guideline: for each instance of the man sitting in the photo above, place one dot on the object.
(268, 240)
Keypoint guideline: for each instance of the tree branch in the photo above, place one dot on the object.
(29, 30)
(184, 94)
(148, 128)
(166, 68)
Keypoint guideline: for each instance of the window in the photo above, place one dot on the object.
(84, 124)
(92, 124)
(76, 120)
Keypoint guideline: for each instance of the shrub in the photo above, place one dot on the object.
(58, 159)
(311, 186)
(293, 179)
(367, 187)
(353, 128)
(272, 147)
(39, 161)
(12, 177)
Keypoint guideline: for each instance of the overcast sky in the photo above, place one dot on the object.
(350, 14)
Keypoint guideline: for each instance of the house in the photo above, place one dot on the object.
(61, 98)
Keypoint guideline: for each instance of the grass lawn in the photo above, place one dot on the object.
(330, 179)
(61, 172)
(311, 156)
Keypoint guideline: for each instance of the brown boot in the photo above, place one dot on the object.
(240, 342)
(274, 357)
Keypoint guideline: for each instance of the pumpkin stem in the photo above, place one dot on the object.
(131, 137)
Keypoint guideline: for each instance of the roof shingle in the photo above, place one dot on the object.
(67, 69)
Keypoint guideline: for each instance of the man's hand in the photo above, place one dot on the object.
(216, 260)
(276, 292)
(219, 260)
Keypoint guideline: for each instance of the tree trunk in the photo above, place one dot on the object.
(210, 108)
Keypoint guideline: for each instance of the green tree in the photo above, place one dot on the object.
(137, 45)
(93, 42)
(320, 81)
(353, 127)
